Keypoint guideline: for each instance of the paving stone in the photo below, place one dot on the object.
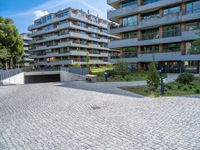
(79, 115)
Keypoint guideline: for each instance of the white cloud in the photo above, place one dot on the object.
(40, 13)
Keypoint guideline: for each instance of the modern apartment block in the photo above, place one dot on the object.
(26, 61)
(68, 37)
(160, 29)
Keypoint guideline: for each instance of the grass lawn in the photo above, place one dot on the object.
(134, 76)
(99, 70)
(171, 89)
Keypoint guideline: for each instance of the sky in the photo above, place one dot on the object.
(23, 12)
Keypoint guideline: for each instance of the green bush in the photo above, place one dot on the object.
(128, 77)
(185, 78)
(77, 65)
(153, 77)
(168, 87)
(197, 91)
(111, 73)
(122, 68)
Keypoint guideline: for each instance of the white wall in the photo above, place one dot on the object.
(16, 79)
(66, 76)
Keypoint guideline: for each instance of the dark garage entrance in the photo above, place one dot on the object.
(42, 78)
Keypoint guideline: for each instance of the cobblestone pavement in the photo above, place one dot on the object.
(62, 116)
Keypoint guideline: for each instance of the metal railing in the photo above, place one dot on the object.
(4, 74)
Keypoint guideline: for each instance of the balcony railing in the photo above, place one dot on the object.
(172, 33)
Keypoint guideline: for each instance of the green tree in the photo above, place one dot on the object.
(87, 59)
(122, 68)
(153, 77)
(11, 43)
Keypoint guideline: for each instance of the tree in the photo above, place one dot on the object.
(87, 59)
(11, 43)
(122, 68)
(153, 77)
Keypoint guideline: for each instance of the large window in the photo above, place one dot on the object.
(148, 16)
(129, 3)
(172, 30)
(150, 49)
(192, 26)
(129, 35)
(128, 52)
(149, 1)
(193, 7)
(129, 21)
(150, 34)
(192, 47)
(172, 10)
(174, 47)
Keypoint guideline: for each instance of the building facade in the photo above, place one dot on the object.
(68, 37)
(26, 60)
(164, 30)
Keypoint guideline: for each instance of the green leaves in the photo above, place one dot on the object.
(11, 43)
(153, 78)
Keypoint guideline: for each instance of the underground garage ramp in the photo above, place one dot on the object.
(41, 78)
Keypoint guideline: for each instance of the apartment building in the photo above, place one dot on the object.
(26, 60)
(69, 36)
(164, 30)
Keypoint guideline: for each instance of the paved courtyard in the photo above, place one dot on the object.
(79, 115)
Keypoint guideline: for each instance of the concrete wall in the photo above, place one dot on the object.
(16, 79)
(66, 76)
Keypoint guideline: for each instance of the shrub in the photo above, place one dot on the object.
(185, 78)
(197, 91)
(128, 78)
(122, 68)
(77, 65)
(111, 73)
(153, 77)
(169, 87)
(109, 66)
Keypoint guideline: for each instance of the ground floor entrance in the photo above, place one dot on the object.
(173, 66)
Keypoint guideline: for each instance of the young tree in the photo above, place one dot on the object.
(11, 43)
(153, 77)
(88, 60)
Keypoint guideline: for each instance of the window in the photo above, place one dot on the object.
(128, 52)
(150, 49)
(172, 30)
(171, 47)
(193, 7)
(129, 35)
(192, 47)
(145, 2)
(150, 34)
(129, 3)
(62, 22)
(150, 15)
(172, 10)
(192, 26)
(129, 21)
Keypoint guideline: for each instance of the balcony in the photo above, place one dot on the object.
(165, 56)
(158, 4)
(123, 43)
(121, 11)
(157, 21)
(191, 35)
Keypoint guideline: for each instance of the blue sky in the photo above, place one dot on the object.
(23, 12)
